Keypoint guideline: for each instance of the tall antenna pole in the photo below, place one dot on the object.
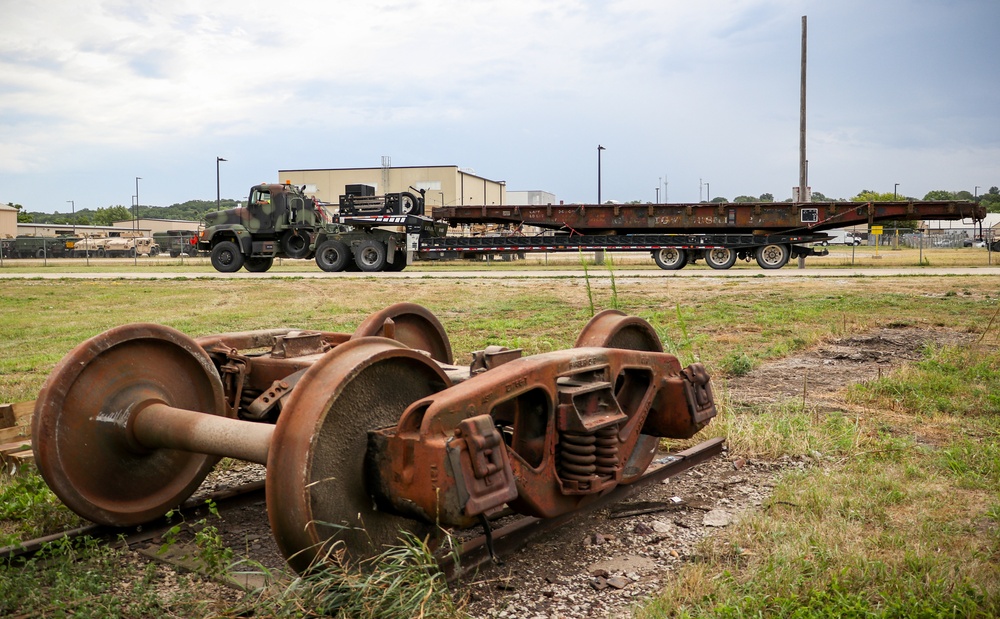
(803, 163)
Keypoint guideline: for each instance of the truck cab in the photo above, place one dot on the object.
(277, 221)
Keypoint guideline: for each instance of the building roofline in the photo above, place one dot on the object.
(410, 167)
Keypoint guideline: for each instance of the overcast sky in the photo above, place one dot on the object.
(95, 93)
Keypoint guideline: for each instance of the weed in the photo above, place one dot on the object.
(586, 279)
(30, 509)
(212, 556)
(402, 582)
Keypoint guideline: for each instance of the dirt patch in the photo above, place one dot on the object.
(822, 373)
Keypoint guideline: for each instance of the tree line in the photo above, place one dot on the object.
(194, 210)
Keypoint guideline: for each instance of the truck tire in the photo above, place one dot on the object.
(132, 253)
(294, 245)
(398, 264)
(101, 252)
(371, 256)
(772, 256)
(193, 251)
(408, 204)
(175, 253)
(227, 257)
(720, 258)
(40, 253)
(332, 256)
(670, 258)
(259, 264)
(154, 251)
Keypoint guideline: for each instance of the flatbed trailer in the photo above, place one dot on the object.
(787, 217)
(677, 234)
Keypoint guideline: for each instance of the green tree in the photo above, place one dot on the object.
(940, 194)
(720, 200)
(819, 197)
(744, 199)
(22, 217)
(767, 197)
(867, 195)
(991, 199)
(111, 214)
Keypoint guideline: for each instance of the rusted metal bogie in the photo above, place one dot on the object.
(569, 421)
(370, 433)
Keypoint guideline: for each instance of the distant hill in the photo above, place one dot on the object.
(192, 210)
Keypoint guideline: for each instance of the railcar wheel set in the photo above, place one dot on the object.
(363, 435)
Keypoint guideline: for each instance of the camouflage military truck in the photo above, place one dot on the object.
(280, 221)
(25, 246)
(177, 242)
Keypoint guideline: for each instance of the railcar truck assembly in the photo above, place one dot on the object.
(386, 233)
(364, 435)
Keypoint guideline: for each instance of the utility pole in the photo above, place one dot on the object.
(218, 198)
(803, 164)
(599, 149)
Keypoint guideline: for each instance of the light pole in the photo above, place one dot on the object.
(708, 192)
(894, 188)
(657, 194)
(599, 149)
(975, 195)
(72, 205)
(218, 198)
(136, 219)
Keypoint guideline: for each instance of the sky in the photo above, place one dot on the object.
(694, 99)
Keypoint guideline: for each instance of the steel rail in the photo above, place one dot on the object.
(225, 499)
(510, 538)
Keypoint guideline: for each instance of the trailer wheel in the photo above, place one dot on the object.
(259, 264)
(772, 256)
(408, 204)
(132, 253)
(332, 256)
(40, 253)
(294, 245)
(670, 258)
(720, 257)
(370, 255)
(398, 264)
(101, 252)
(227, 257)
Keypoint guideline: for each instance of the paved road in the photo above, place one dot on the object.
(594, 273)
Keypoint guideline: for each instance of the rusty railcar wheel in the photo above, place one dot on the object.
(615, 329)
(82, 429)
(411, 324)
(317, 499)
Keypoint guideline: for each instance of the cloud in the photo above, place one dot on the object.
(522, 89)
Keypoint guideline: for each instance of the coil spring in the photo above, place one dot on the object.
(577, 456)
(246, 399)
(583, 456)
(607, 451)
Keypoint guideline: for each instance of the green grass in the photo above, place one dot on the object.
(899, 516)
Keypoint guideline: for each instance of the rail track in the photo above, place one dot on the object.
(491, 546)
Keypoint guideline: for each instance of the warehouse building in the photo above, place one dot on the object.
(8, 221)
(442, 185)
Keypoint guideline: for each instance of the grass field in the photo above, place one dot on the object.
(890, 525)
